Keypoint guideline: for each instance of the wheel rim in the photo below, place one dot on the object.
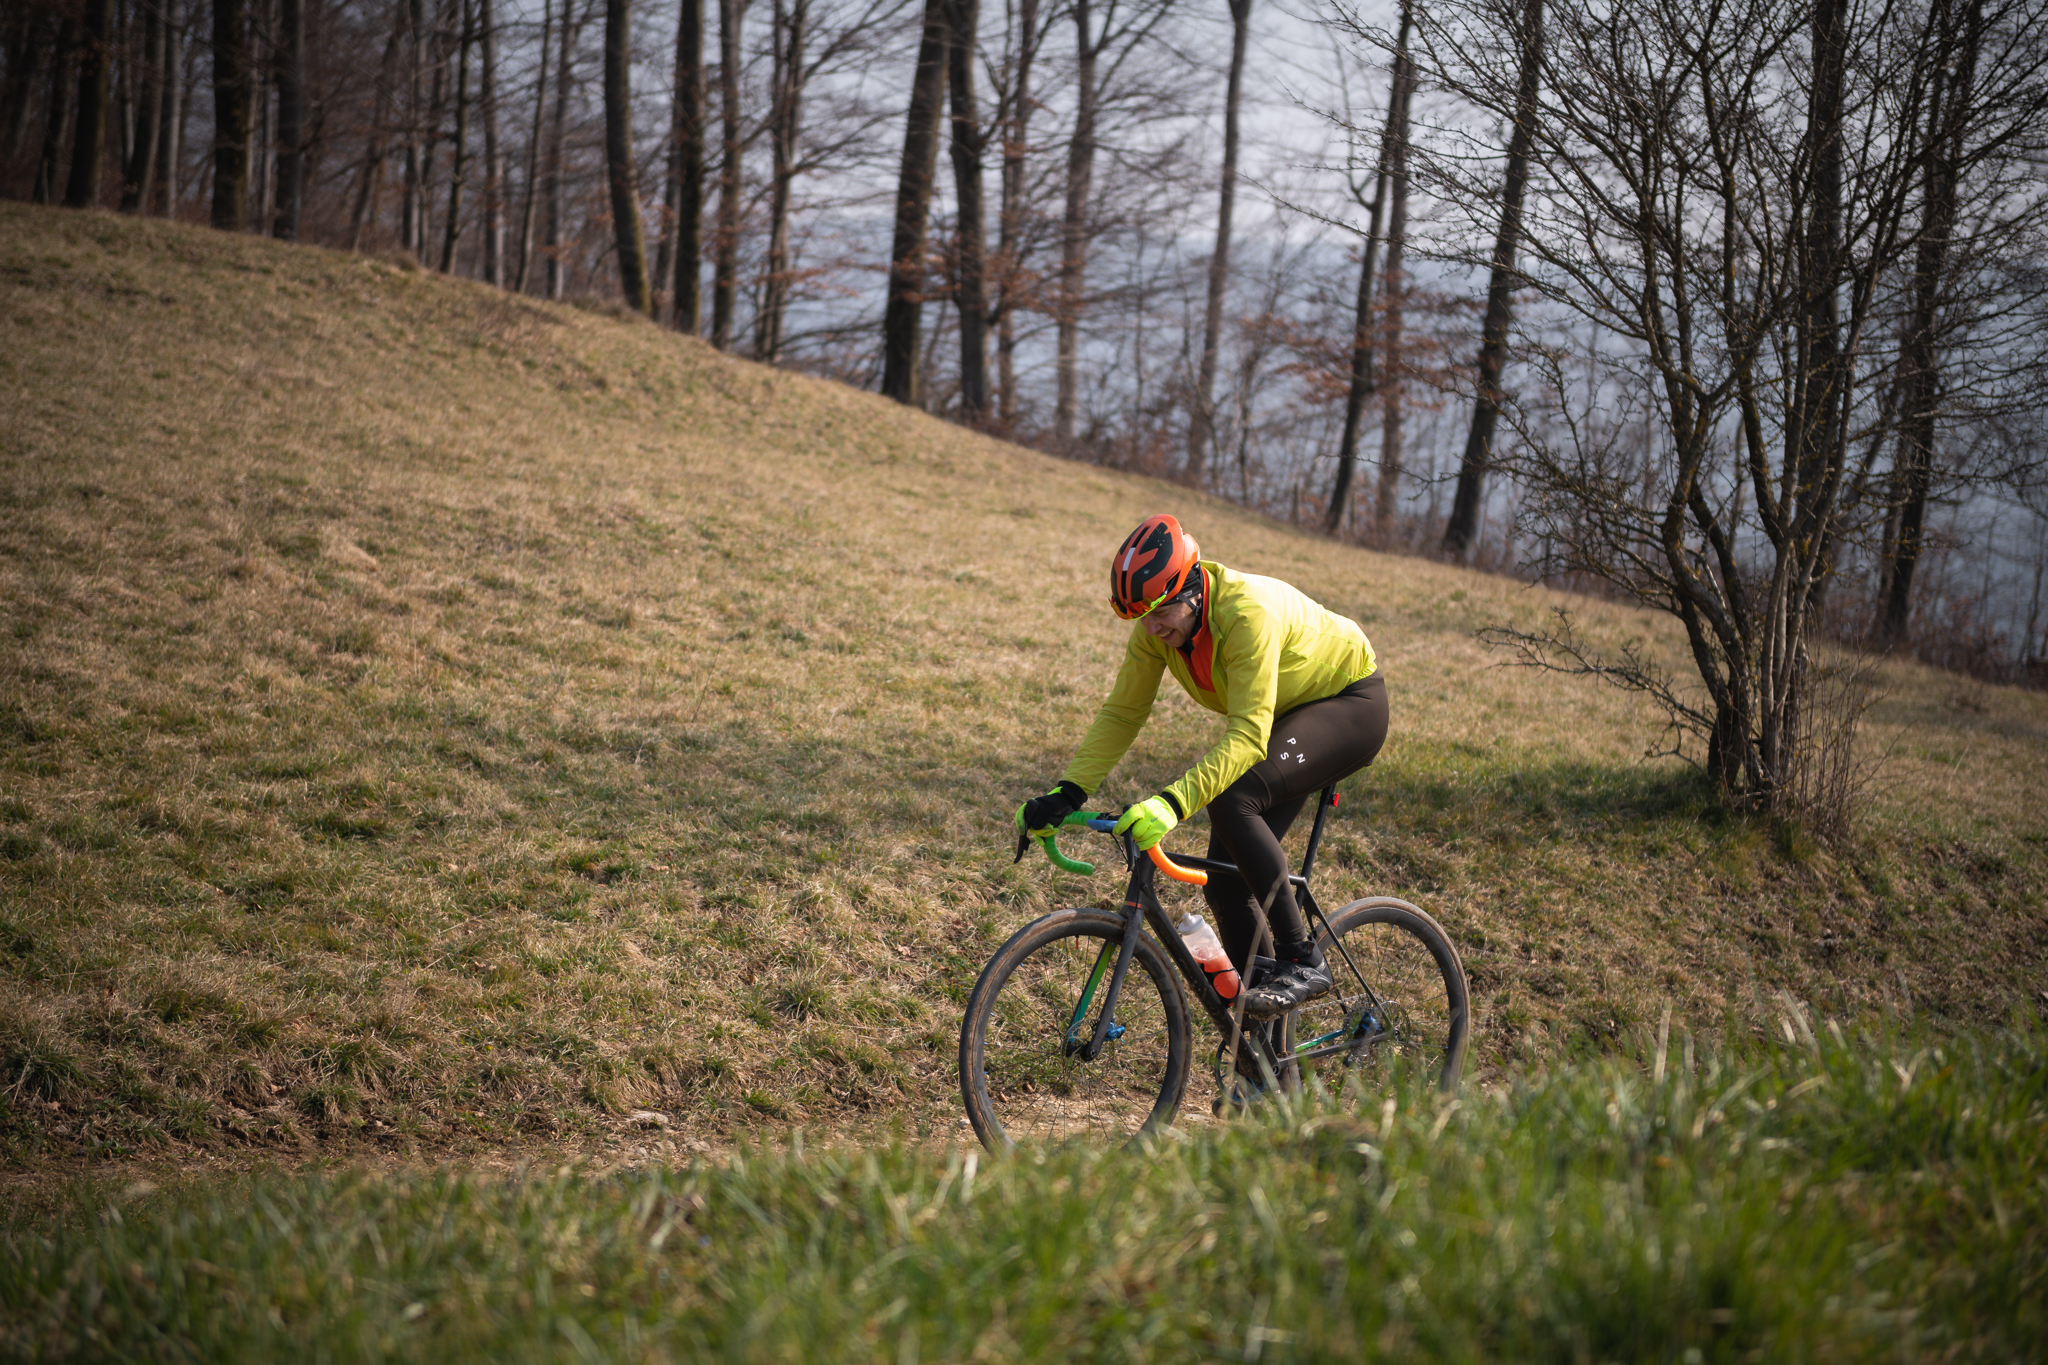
(1037, 1088)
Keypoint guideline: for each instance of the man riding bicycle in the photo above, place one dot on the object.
(1306, 706)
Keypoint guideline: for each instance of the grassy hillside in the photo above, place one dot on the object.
(431, 718)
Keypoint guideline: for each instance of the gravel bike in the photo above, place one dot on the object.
(1062, 1039)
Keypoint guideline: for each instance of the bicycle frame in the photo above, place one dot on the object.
(1141, 904)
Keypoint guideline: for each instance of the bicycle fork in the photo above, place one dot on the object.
(1106, 1028)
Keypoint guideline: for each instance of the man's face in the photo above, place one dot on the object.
(1173, 625)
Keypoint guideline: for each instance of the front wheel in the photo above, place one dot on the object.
(1022, 1069)
(1400, 1005)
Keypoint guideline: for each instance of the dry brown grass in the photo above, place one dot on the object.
(430, 718)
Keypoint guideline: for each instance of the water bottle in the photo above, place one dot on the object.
(1208, 950)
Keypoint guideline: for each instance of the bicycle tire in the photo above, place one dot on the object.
(1390, 951)
(1019, 1079)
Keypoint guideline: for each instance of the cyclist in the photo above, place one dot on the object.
(1305, 703)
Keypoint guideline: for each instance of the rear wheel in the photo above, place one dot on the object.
(1023, 1074)
(1400, 1006)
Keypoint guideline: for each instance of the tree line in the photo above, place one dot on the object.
(1722, 306)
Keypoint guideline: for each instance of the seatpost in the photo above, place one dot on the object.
(1324, 804)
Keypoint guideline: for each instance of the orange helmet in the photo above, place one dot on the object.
(1151, 566)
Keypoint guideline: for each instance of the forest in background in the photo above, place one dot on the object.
(1353, 268)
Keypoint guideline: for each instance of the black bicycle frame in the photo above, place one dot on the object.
(1141, 902)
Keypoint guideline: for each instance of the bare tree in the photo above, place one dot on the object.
(1493, 337)
(1015, 103)
(1089, 46)
(1100, 51)
(533, 146)
(1726, 189)
(1394, 294)
(1202, 431)
(31, 33)
(494, 151)
(138, 167)
(558, 132)
(61, 107)
(682, 248)
(791, 25)
(903, 315)
(1959, 38)
(1364, 377)
(629, 231)
(233, 114)
(969, 143)
(291, 118)
(458, 171)
(89, 138)
(412, 211)
(725, 247)
(170, 130)
(364, 212)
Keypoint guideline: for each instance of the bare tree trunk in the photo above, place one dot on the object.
(689, 162)
(1016, 146)
(170, 130)
(139, 167)
(628, 231)
(122, 77)
(1364, 374)
(969, 141)
(671, 184)
(51, 167)
(89, 141)
(1393, 292)
(442, 43)
(557, 137)
(1493, 337)
(262, 137)
(1202, 431)
(458, 172)
(1921, 361)
(291, 117)
(364, 212)
(494, 153)
(29, 37)
(903, 317)
(540, 104)
(725, 248)
(410, 228)
(233, 114)
(791, 18)
(1074, 225)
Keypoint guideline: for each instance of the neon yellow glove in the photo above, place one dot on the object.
(1149, 821)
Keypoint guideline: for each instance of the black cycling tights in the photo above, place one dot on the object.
(1311, 746)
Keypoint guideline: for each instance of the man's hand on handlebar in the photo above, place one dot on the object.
(1041, 815)
(1148, 822)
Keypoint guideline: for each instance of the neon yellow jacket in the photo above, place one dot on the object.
(1263, 648)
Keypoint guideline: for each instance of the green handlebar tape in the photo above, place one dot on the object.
(1082, 817)
(1063, 862)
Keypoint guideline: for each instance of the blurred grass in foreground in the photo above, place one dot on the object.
(1829, 1197)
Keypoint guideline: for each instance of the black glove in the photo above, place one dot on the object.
(1044, 813)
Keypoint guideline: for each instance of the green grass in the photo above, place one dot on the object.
(1825, 1198)
(432, 721)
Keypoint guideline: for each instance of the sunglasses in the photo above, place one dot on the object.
(1131, 613)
